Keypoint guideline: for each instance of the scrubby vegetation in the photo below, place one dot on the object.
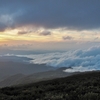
(84, 86)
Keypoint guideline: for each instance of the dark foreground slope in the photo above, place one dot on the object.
(84, 86)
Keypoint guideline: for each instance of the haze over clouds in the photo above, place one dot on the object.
(79, 60)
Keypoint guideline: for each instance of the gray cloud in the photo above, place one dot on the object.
(72, 14)
(67, 37)
(23, 32)
(2, 27)
(45, 33)
(96, 38)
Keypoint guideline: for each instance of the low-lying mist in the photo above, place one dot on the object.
(78, 60)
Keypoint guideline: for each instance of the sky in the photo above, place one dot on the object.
(41, 29)
(49, 24)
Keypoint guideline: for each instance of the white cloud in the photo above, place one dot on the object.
(80, 69)
(79, 60)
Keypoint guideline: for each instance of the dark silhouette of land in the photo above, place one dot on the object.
(83, 86)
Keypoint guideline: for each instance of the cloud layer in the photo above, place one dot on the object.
(72, 14)
(79, 60)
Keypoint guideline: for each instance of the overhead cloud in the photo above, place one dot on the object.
(45, 33)
(79, 60)
(72, 14)
(67, 37)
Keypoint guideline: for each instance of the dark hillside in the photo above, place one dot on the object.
(84, 86)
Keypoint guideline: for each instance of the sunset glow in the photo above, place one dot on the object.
(36, 24)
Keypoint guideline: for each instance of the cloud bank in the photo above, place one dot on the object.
(79, 60)
(72, 14)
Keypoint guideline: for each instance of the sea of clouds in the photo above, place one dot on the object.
(78, 60)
